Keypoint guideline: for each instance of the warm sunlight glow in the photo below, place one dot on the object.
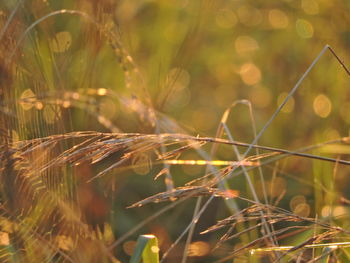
(141, 164)
(102, 92)
(304, 28)
(322, 106)
(230, 193)
(154, 249)
(213, 127)
(27, 99)
(226, 18)
(129, 247)
(245, 44)
(332, 134)
(4, 239)
(198, 249)
(177, 79)
(302, 209)
(310, 7)
(66, 104)
(39, 105)
(340, 211)
(249, 15)
(296, 200)
(278, 19)
(260, 96)
(214, 162)
(326, 211)
(334, 211)
(250, 74)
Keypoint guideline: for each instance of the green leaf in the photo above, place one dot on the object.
(147, 248)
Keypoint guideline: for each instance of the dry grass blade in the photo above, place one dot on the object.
(255, 242)
(98, 146)
(239, 216)
(183, 192)
(276, 215)
(312, 240)
(180, 150)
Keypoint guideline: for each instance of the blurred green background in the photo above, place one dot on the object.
(189, 60)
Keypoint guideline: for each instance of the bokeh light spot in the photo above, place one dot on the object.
(340, 211)
(226, 18)
(178, 100)
(102, 92)
(27, 99)
(198, 249)
(161, 233)
(326, 211)
(299, 206)
(249, 15)
(39, 105)
(302, 209)
(331, 134)
(278, 19)
(245, 44)
(322, 106)
(129, 247)
(260, 96)
(66, 104)
(155, 249)
(141, 164)
(304, 28)
(310, 7)
(337, 211)
(4, 239)
(178, 78)
(177, 94)
(296, 200)
(250, 74)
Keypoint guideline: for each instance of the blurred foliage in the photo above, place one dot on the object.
(176, 66)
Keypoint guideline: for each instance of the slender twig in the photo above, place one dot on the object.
(8, 21)
(339, 60)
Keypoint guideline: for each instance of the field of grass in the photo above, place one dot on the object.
(221, 127)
